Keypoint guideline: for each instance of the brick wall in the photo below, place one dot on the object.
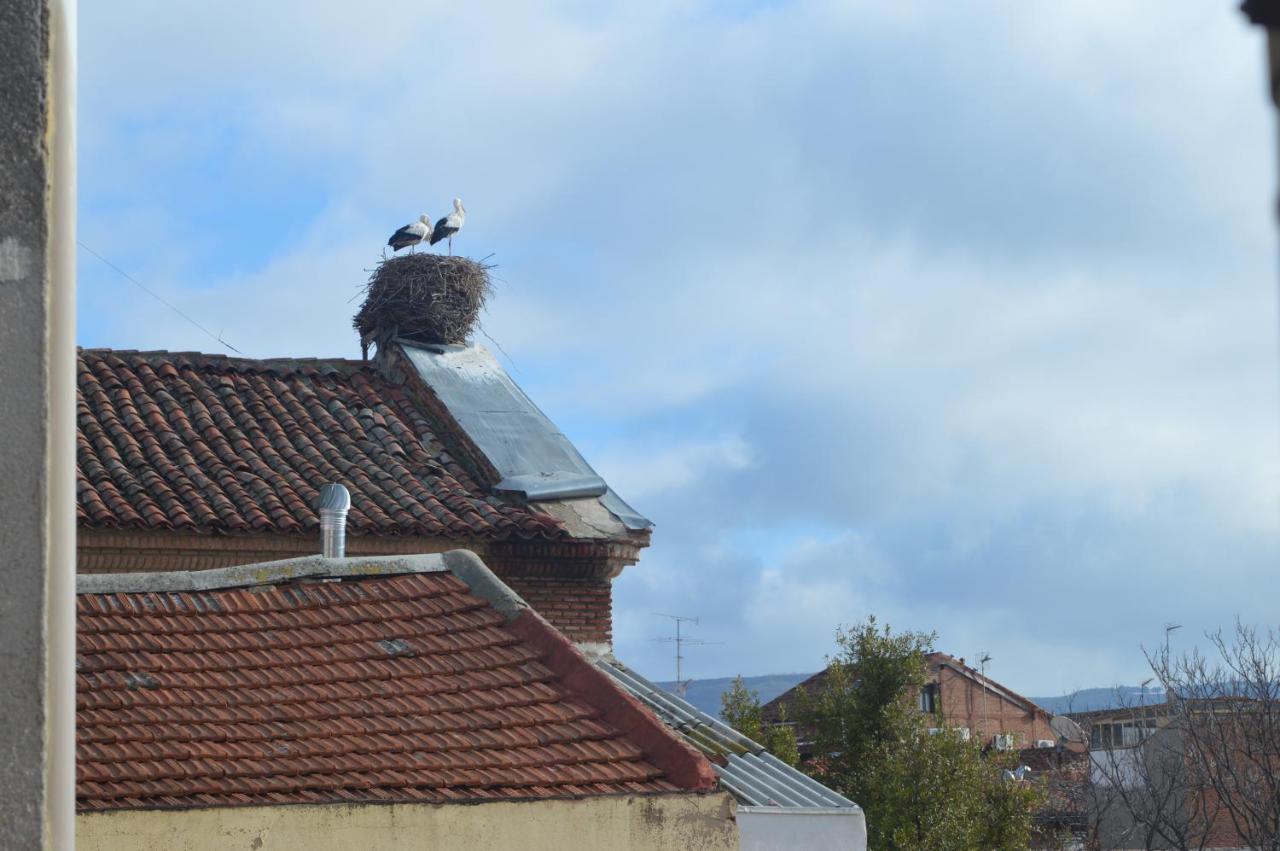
(963, 705)
(580, 608)
(110, 551)
(567, 582)
(1212, 823)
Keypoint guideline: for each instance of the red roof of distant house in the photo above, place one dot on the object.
(404, 687)
(210, 443)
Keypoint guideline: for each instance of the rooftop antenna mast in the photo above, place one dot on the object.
(983, 659)
(680, 640)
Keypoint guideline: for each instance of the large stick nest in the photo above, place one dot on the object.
(430, 298)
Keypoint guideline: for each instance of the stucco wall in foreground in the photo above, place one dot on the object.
(694, 822)
(24, 407)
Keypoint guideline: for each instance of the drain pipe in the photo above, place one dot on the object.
(60, 512)
(333, 504)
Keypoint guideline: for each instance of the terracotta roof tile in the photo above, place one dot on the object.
(203, 442)
(390, 688)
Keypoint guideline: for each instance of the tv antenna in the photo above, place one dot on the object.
(983, 658)
(680, 640)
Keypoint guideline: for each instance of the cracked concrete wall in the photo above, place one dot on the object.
(24, 286)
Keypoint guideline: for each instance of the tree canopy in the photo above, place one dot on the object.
(740, 708)
(921, 790)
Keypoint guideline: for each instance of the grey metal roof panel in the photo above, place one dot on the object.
(527, 449)
(560, 485)
(630, 518)
(753, 775)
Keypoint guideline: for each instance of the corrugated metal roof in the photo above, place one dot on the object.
(521, 442)
(755, 777)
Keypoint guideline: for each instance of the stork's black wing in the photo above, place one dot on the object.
(443, 230)
(403, 237)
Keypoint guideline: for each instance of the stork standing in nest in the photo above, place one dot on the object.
(450, 224)
(414, 233)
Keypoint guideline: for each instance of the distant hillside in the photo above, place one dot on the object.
(1088, 699)
(705, 694)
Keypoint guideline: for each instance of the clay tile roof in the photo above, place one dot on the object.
(203, 442)
(387, 688)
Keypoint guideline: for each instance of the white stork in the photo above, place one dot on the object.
(413, 233)
(450, 224)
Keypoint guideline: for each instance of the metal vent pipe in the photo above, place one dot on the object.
(333, 504)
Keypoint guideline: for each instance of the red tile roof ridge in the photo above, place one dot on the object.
(265, 573)
(682, 764)
(266, 364)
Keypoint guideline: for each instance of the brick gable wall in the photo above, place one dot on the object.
(963, 706)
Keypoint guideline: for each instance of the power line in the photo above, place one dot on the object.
(158, 297)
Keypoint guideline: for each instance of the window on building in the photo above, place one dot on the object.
(1121, 734)
(929, 698)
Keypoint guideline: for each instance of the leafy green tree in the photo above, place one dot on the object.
(740, 709)
(780, 739)
(920, 791)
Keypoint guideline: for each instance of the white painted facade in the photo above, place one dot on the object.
(801, 829)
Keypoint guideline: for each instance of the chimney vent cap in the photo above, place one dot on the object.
(333, 497)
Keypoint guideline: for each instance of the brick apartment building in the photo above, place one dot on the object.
(960, 697)
(963, 698)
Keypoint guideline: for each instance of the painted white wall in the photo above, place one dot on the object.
(1122, 766)
(801, 829)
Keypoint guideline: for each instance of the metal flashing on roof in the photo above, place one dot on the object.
(630, 518)
(753, 775)
(527, 449)
(558, 485)
(464, 564)
(267, 573)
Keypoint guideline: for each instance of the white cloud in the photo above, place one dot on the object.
(649, 469)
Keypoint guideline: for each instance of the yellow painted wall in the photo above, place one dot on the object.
(693, 822)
